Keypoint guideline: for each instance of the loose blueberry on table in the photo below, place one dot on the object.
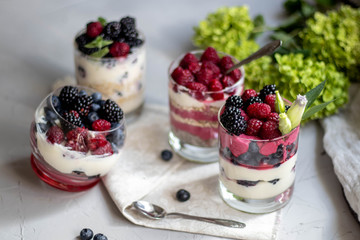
(166, 155)
(182, 195)
(86, 234)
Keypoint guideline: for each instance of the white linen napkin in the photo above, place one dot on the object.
(342, 143)
(141, 174)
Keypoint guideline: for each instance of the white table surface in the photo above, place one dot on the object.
(36, 48)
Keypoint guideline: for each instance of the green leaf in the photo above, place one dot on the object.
(315, 109)
(100, 53)
(314, 93)
(259, 21)
(102, 21)
(98, 42)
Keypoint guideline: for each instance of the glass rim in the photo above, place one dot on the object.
(52, 93)
(255, 140)
(106, 58)
(197, 51)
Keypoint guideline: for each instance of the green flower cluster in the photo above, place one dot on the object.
(293, 74)
(335, 38)
(227, 30)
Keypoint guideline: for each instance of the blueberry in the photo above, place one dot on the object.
(56, 102)
(247, 183)
(117, 137)
(166, 155)
(82, 93)
(114, 147)
(95, 107)
(50, 115)
(96, 96)
(100, 236)
(86, 234)
(92, 117)
(43, 127)
(182, 195)
(101, 102)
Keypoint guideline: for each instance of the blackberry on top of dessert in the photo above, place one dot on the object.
(104, 39)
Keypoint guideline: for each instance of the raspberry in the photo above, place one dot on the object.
(245, 116)
(253, 127)
(55, 135)
(119, 49)
(182, 76)
(227, 81)
(248, 93)
(215, 86)
(211, 55)
(251, 110)
(270, 100)
(198, 89)
(270, 130)
(210, 65)
(93, 29)
(96, 141)
(78, 144)
(252, 100)
(226, 63)
(187, 59)
(258, 110)
(111, 112)
(204, 76)
(106, 149)
(235, 74)
(194, 67)
(101, 125)
(268, 89)
(77, 133)
(234, 101)
(273, 116)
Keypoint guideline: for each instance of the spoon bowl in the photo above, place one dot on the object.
(156, 212)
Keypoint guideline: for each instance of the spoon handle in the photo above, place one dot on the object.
(265, 50)
(223, 222)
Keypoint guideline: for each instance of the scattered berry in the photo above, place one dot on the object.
(101, 125)
(182, 195)
(119, 49)
(273, 116)
(270, 100)
(187, 59)
(248, 93)
(270, 130)
(100, 236)
(268, 89)
(166, 155)
(211, 55)
(253, 127)
(234, 101)
(55, 135)
(111, 112)
(86, 234)
(93, 29)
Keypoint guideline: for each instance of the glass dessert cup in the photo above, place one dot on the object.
(193, 116)
(122, 78)
(77, 164)
(257, 175)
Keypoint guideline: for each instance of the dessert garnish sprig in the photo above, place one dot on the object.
(300, 109)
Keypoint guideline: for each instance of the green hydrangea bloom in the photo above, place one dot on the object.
(335, 38)
(227, 30)
(293, 74)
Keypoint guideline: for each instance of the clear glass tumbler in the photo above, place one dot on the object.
(73, 158)
(256, 175)
(193, 116)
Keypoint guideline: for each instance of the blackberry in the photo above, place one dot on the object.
(72, 117)
(287, 107)
(82, 105)
(252, 100)
(268, 89)
(232, 120)
(82, 40)
(234, 101)
(110, 111)
(112, 30)
(134, 42)
(67, 96)
(127, 23)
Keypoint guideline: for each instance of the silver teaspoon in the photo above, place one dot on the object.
(265, 50)
(155, 212)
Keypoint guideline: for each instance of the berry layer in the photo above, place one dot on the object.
(119, 78)
(268, 182)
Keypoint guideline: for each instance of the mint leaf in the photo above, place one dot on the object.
(102, 21)
(98, 42)
(314, 93)
(315, 109)
(100, 53)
